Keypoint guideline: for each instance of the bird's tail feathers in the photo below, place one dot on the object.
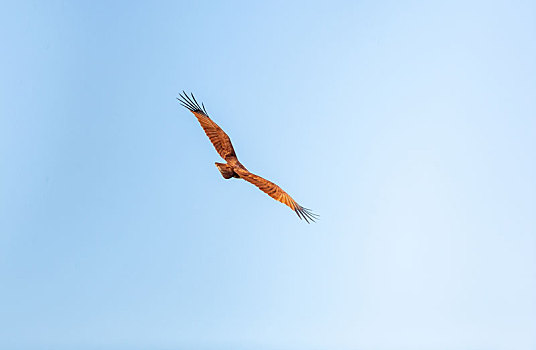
(225, 170)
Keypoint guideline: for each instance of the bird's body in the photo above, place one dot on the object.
(233, 167)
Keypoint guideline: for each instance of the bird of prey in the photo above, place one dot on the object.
(233, 168)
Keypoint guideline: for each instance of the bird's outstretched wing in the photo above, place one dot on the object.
(277, 193)
(220, 140)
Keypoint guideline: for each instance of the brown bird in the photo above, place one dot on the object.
(233, 168)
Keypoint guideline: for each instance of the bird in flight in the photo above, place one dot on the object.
(233, 168)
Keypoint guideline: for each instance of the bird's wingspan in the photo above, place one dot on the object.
(220, 140)
(277, 193)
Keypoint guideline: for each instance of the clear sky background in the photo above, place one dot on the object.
(409, 126)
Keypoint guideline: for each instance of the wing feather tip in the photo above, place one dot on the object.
(307, 214)
(191, 103)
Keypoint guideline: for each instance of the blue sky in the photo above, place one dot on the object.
(408, 126)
